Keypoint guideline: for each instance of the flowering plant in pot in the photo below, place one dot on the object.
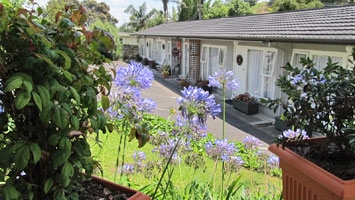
(50, 76)
(203, 83)
(322, 101)
(246, 103)
(166, 71)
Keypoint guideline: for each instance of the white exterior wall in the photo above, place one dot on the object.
(285, 52)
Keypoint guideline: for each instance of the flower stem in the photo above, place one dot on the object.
(166, 166)
(223, 132)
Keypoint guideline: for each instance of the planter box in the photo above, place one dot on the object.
(136, 195)
(247, 108)
(280, 124)
(303, 180)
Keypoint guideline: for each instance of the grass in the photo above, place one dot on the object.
(255, 182)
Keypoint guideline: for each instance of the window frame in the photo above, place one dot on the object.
(264, 77)
(311, 53)
(204, 61)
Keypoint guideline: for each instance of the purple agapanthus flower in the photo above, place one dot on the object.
(195, 102)
(251, 142)
(134, 76)
(146, 105)
(139, 156)
(220, 149)
(223, 78)
(273, 160)
(128, 169)
(167, 149)
(236, 162)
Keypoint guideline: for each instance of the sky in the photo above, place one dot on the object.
(118, 6)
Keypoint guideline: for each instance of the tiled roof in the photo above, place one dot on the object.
(332, 25)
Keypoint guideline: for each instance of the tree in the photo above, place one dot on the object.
(165, 6)
(230, 8)
(139, 17)
(99, 10)
(111, 28)
(157, 19)
(239, 8)
(217, 10)
(95, 10)
(189, 10)
(283, 5)
(55, 6)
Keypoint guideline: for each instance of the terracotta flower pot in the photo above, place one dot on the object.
(247, 108)
(303, 180)
(136, 195)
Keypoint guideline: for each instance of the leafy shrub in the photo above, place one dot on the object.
(49, 100)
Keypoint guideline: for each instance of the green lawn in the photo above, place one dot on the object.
(256, 183)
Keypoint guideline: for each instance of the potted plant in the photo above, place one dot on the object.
(50, 76)
(152, 64)
(166, 71)
(184, 83)
(203, 83)
(246, 103)
(322, 101)
(145, 61)
(281, 124)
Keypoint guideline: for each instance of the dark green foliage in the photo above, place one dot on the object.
(320, 101)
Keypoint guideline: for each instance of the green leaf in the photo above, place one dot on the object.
(64, 143)
(10, 192)
(36, 152)
(28, 85)
(44, 94)
(22, 99)
(22, 157)
(60, 117)
(60, 156)
(46, 112)
(74, 120)
(48, 185)
(13, 83)
(74, 196)
(67, 169)
(43, 57)
(54, 139)
(67, 60)
(105, 102)
(37, 99)
(75, 94)
(68, 75)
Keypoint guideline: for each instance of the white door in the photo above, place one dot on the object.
(239, 69)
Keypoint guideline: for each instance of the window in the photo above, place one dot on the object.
(268, 67)
(260, 72)
(296, 59)
(159, 51)
(320, 58)
(212, 59)
(321, 61)
(141, 48)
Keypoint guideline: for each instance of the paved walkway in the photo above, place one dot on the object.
(238, 125)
